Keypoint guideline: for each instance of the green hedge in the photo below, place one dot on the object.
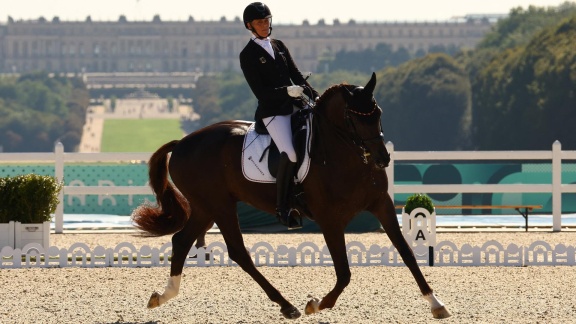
(418, 200)
(29, 198)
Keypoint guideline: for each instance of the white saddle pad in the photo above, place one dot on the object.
(252, 150)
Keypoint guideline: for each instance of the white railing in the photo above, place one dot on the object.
(556, 155)
(59, 158)
(306, 254)
(556, 188)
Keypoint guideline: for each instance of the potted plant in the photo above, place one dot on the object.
(6, 225)
(418, 200)
(29, 201)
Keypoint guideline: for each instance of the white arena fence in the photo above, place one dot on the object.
(446, 253)
(556, 156)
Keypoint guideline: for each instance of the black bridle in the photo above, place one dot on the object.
(357, 139)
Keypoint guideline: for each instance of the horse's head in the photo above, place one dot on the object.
(360, 120)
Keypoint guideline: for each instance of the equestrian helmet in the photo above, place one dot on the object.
(256, 10)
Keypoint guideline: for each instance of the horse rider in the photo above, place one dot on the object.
(277, 83)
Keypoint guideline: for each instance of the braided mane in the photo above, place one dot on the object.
(330, 92)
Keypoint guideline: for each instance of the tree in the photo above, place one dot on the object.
(525, 97)
(522, 24)
(38, 109)
(426, 104)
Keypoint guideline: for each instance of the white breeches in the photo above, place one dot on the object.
(281, 132)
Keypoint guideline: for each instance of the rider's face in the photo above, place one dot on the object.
(261, 26)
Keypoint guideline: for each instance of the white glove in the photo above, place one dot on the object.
(295, 91)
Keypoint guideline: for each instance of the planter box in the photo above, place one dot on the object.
(7, 234)
(31, 233)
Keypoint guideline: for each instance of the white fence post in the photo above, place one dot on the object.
(556, 186)
(59, 174)
(390, 172)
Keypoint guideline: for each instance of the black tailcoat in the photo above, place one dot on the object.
(268, 78)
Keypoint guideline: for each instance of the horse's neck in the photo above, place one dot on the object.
(335, 144)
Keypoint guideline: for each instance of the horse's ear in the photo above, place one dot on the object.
(371, 84)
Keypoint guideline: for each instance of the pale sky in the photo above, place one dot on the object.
(283, 11)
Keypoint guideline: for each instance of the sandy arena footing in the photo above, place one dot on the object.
(534, 294)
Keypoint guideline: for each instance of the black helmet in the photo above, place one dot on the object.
(256, 10)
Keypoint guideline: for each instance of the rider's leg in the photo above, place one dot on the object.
(281, 133)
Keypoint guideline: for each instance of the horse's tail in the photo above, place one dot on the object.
(172, 210)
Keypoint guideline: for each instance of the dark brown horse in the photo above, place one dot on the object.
(347, 176)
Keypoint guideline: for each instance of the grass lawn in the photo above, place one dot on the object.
(138, 135)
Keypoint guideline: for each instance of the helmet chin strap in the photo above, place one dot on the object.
(258, 35)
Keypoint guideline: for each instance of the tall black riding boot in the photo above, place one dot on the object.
(284, 182)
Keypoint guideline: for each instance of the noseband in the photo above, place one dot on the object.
(357, 139)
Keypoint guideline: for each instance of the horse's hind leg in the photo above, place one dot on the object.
(181, 244)
(386, 214)
(230, 230)
(201, 240)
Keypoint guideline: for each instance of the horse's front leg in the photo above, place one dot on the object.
(237, 251)
(386, 214)
(334, 236)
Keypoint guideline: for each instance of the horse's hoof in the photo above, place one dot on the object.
(441, 312)
(313, 306)
(154, 300)
(291, 312)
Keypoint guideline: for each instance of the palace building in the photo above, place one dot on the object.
(205, 46)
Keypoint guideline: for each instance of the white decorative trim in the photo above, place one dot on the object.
(307, 254)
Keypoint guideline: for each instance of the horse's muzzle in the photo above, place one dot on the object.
(382, 163)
